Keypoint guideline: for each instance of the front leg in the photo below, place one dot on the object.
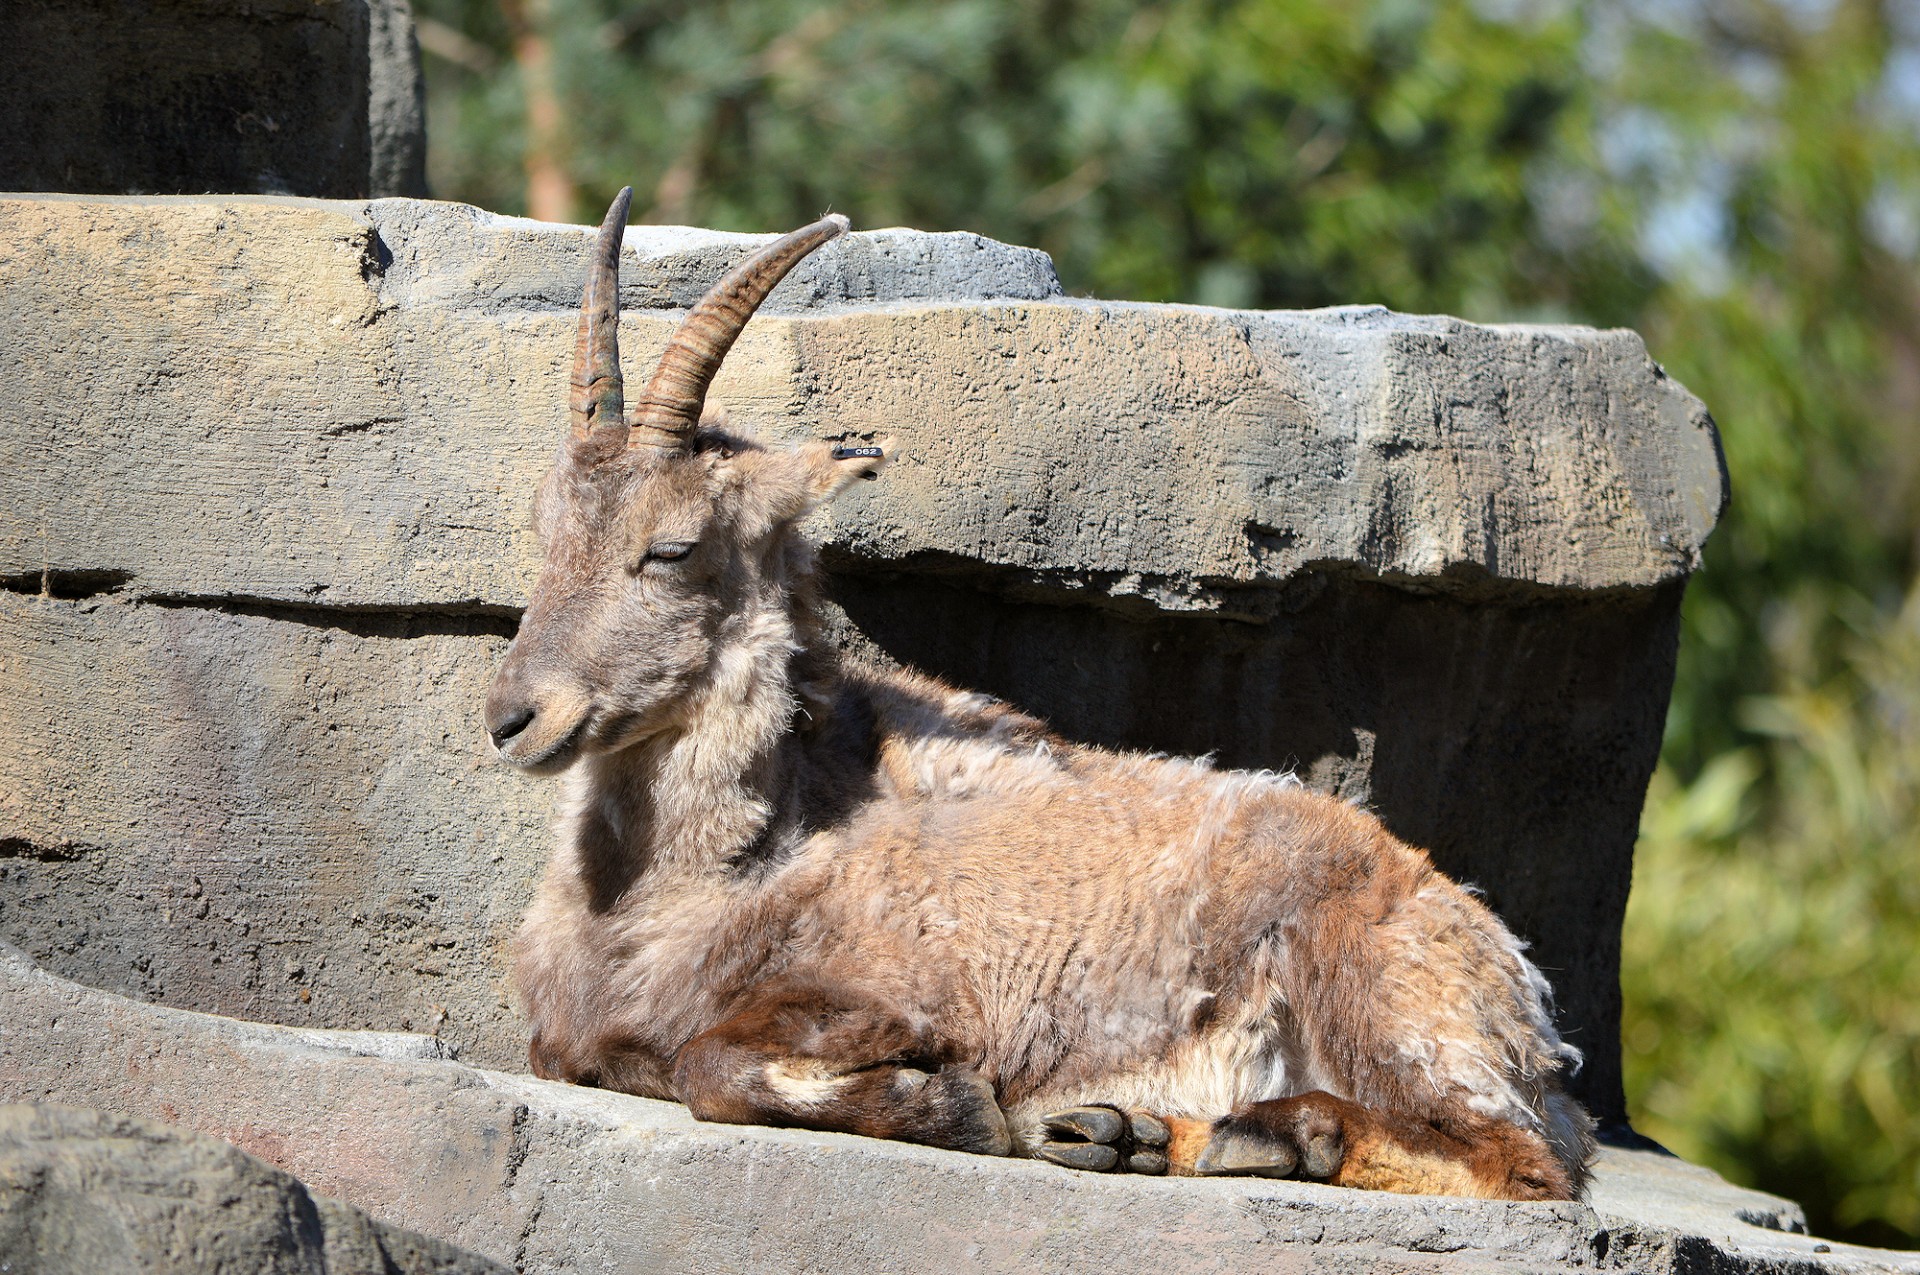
(807, 1057)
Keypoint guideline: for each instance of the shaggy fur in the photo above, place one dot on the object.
(794, 889)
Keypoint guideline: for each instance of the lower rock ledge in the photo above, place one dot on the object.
(547, 1177)
(84, 1192)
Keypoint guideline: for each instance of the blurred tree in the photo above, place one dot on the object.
(551, 194)
(1773, 935)
(1775, 155)
(1738, 179)
(1227, 151)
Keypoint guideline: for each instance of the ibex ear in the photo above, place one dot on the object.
(783, 485)
(830, 468)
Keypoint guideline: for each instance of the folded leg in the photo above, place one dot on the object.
(1329, 1139)
(808, 1057)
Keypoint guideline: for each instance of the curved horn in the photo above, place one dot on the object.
(667, 413)
(597, 401)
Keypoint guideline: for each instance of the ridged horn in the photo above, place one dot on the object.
(598, 397)
(667, 413)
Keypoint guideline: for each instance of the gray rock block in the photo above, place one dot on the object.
(265, 816)
(84, 1192)
(396, 104)
(374, 386)
(547, 1177)
(462, 258)
(270, 467)
(183, 96)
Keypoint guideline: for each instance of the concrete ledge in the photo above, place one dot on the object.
(547, 1177)
(349, 403)
(84, 1192)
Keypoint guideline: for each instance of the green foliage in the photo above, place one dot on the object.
(1802, 332)
(1773, 1018)
(1231, 151)
(1737, 179)
(1772, 963)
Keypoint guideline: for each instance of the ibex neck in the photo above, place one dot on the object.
(694, 798)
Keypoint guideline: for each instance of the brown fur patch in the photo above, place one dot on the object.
(1189, 1139)
(805, 1058)
(1464, 1155)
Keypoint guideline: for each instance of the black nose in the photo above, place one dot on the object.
(510, 726)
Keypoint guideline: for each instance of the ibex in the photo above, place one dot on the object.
(792, 888)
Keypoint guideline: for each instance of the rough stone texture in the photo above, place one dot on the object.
(263, 520)
(396, 103)
(282, 818)
(1176, 458)
(300, 97)
(84, 1192)
(547, 1177)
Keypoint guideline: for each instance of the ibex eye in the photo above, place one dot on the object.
(669, 551)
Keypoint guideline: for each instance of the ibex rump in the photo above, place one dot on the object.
(793, 889)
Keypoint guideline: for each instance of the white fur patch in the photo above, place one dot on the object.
(803, 1082)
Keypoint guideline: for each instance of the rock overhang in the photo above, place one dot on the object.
(1179, 456)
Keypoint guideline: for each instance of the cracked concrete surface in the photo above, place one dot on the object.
(547, 1177)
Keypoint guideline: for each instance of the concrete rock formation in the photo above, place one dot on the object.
(547, 1177)
(262, 541)
(396, 103)
(296, 97)
(85, 1192)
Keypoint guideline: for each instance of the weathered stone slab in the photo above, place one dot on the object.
(1435, 567)
(179, 96)
(84, 1192)
(228, 398)
(276, 817)
(454, 255)
(549, 1178)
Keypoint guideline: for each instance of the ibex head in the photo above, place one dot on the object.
(662, 539)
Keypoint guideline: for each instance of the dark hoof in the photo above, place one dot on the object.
(1248, 1154)
(1152, 1164)
(1091, 1156)
(1148, 1131)
(1289, 1137)
(1322, 1155)
(1087, 1124)
(1105, 1140)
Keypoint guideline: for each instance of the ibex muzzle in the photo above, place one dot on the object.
(794, 888)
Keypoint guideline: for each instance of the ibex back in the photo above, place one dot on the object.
(795, 889)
